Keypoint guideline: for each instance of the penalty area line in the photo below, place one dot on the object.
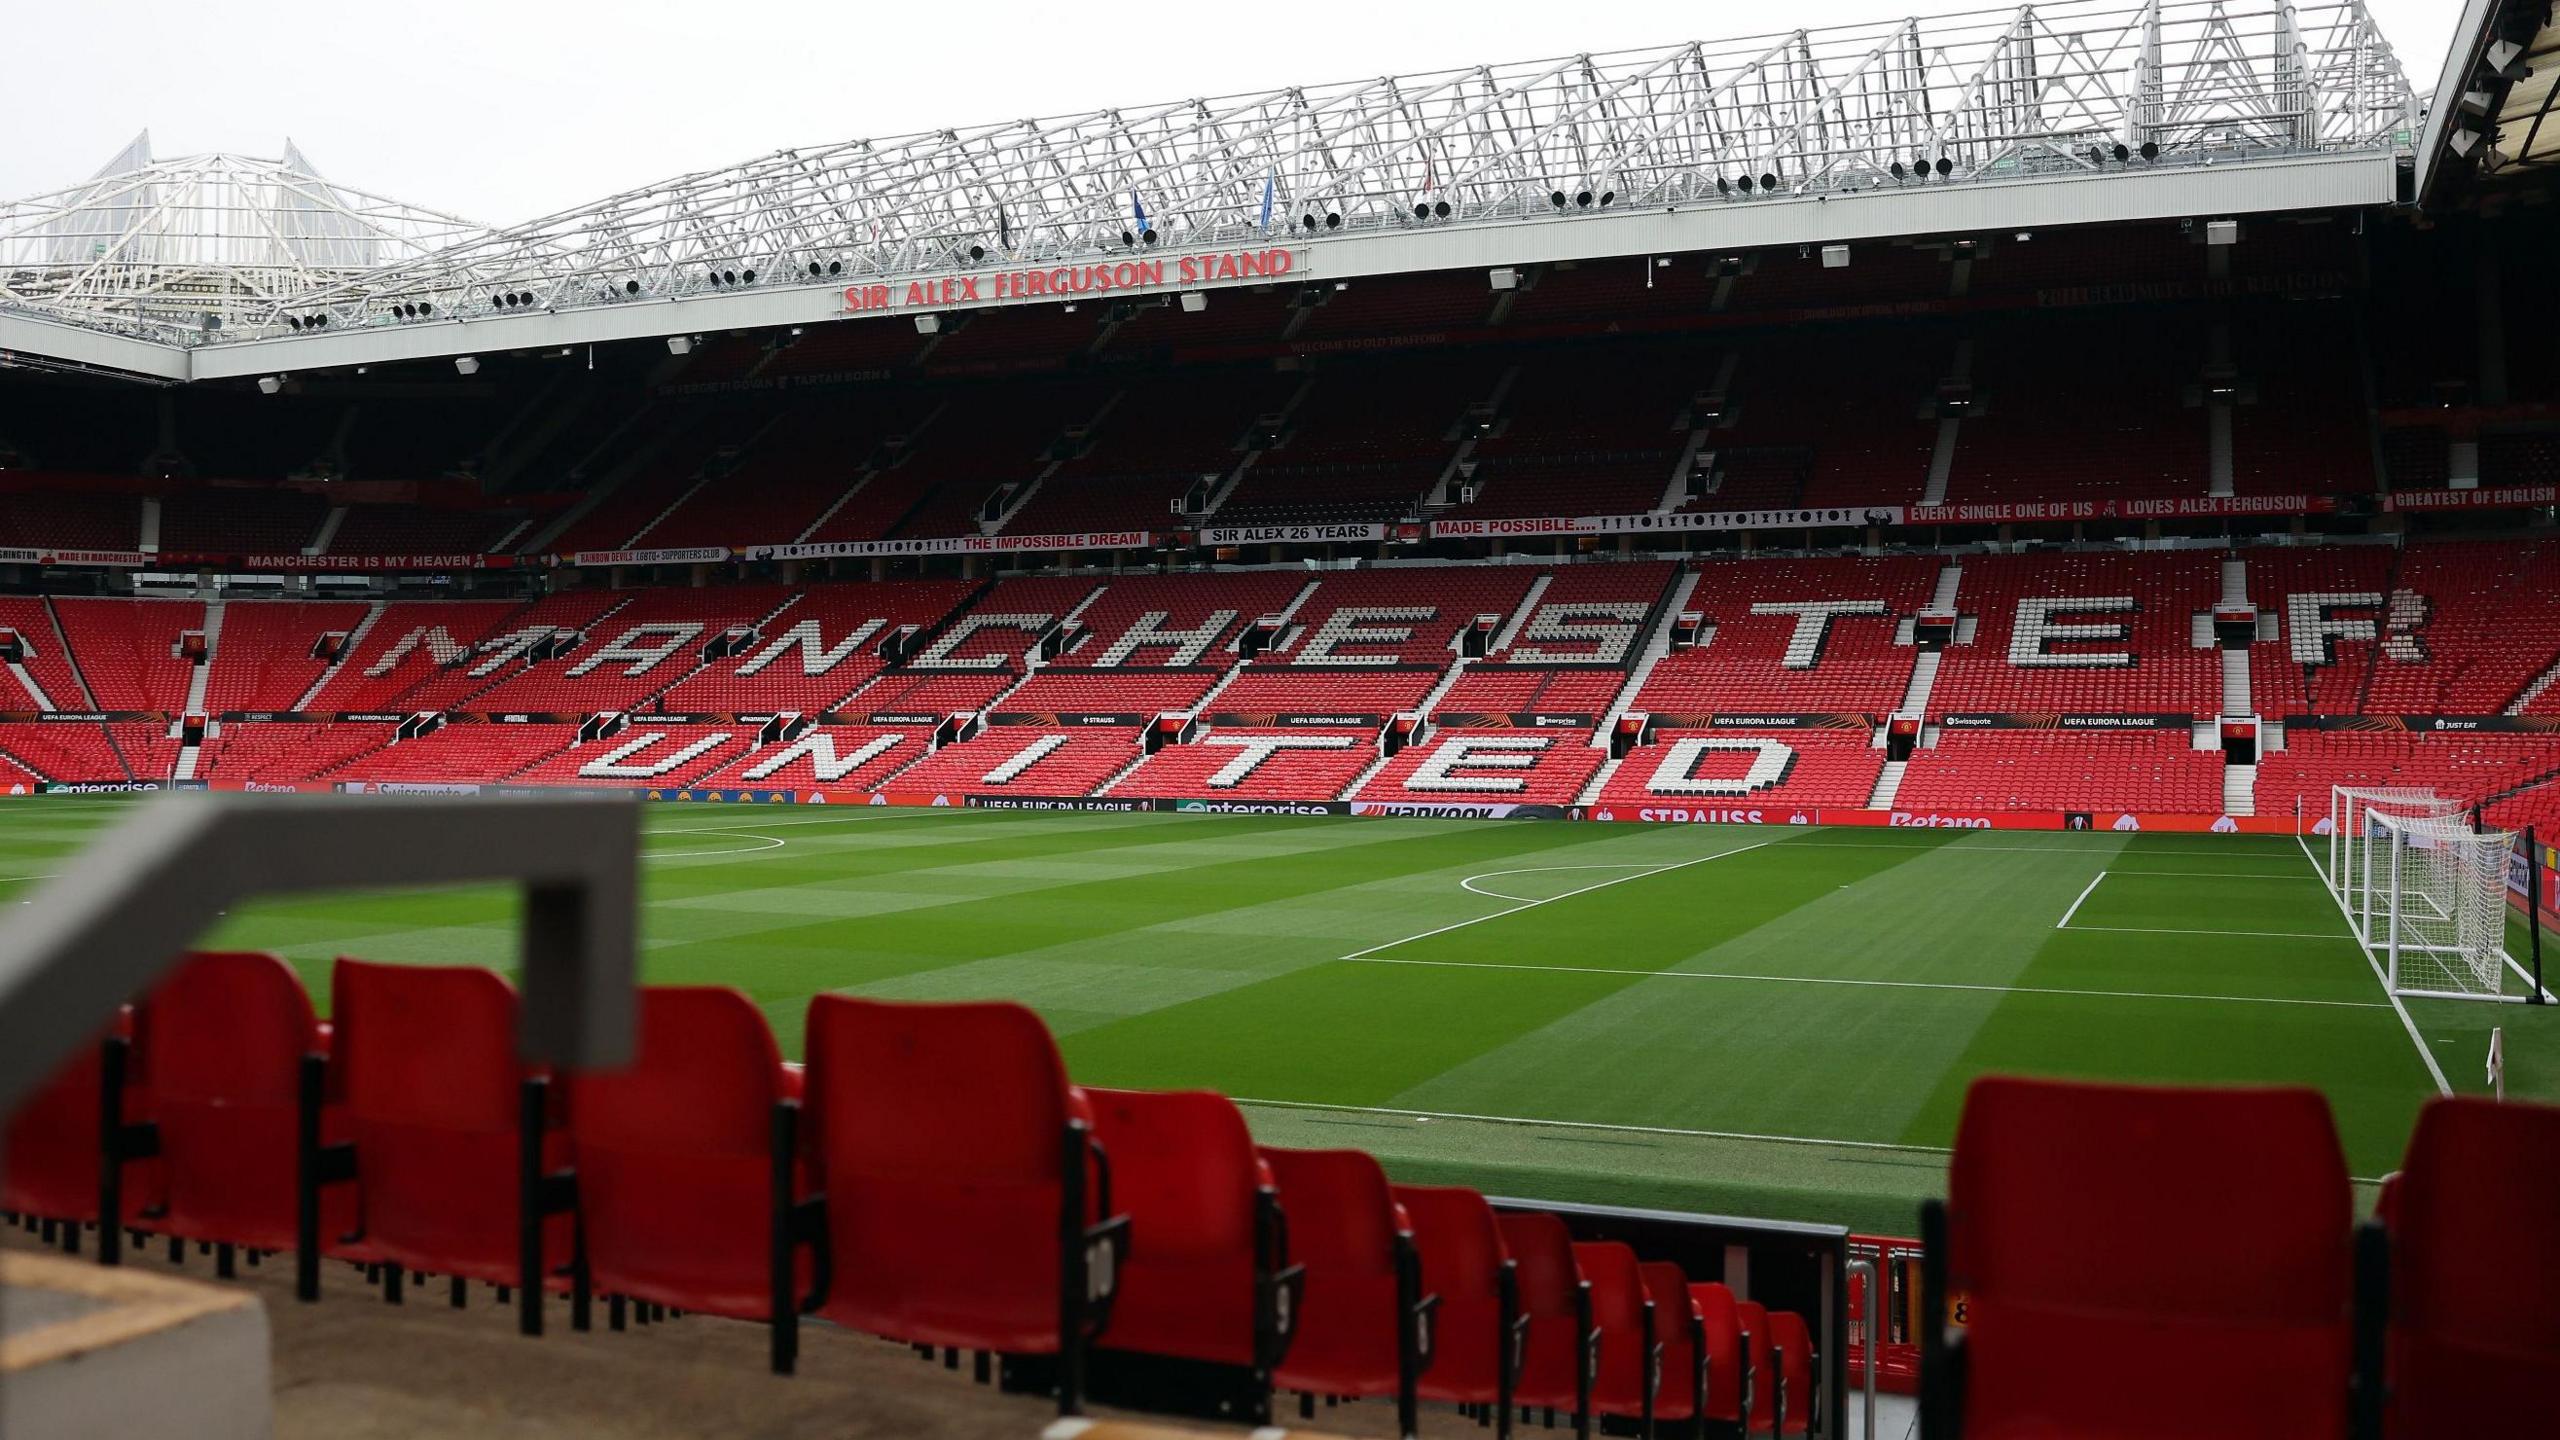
(1551, 899)
(2065, 922)
(1747, 978)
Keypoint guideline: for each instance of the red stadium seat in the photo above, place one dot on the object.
(2475, 1341)
(2198, 1239)
(1366, 1329)
(1728, 1381)
(56, 1144)
(966, 1205)
(452, 1146)
(1759, 1354)
(1211, 1279)
(1629, 1367)
(228, 1036)
(688, 1194)
(1680, 1387)
(1555, 1365)
(1797, 1395)
(1480, 1326)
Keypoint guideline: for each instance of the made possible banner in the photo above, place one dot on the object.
(1676, 522)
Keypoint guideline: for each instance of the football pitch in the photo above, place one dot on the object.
(1752, 1020)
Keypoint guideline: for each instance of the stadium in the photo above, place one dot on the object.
(1832, 734)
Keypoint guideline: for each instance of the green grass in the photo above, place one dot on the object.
(1775, 1022)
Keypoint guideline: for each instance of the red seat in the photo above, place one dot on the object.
(2137, 1261)
(1728, 1383)
(1759, 1355)
(687, 1191)
(55, 1144)
(1679, 1391)
(963, 1205)
(1796, 1395)
(228, 1036)
(1555, 1365)
(1623, 1382)
(1465, 1265)
(1366, 1327)
(451, 1141)
(2475, 1340)
(1206, 1281)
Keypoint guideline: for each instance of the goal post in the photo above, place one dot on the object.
(2434, 898)
(2353, 811)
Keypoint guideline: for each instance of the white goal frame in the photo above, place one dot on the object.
(2351, 812)
(2436, 905)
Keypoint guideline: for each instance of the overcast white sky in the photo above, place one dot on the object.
(505, 111)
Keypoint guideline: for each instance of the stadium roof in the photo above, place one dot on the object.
(2496, 116)
(2081, 111)
(159, 248)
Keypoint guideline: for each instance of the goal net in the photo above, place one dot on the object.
(2435, 904)
(2352, 819)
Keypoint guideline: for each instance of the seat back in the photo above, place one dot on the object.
(2475, 1339)
(49, 1165)
(1759, 1354)
(1551, 1285)
(1675, 1326)
(675, 1155)
(1618, 1309)
(224, 1038)
(2098, 1230)
(1343, 1226)
(1183, 1168)
(1793, 1344)
(1462, 1263)
(423, 1065)
(938, 1133)
(1723, 1326)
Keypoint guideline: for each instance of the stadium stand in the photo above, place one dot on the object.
(1026, 760)
(129, 649)
(817, 650)
(265, 657)
(1528, 769)
(1241, 763)
(2084, 633)
(2038, 770)
(1770, 653)
(1801, 767)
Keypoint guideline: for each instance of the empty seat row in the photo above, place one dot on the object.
(1081, 1226)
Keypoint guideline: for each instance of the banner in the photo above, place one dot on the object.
(1752, 721)
(1686, 520)
(1458, 810)
(1255, 807)
(1519, 720)
(2490, 497)
(724, 796)
(346, 564)
(1266, 720)
(2039, 720)
(1066, 719)
(956, 545)
(2427, 724)
(1289, 534)
(1067, 282)
(90, 559)
(2183, 507)
(1089, 804)
(689, 555)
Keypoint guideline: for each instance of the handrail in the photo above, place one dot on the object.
(127, 907)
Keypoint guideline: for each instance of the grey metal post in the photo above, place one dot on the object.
(129, 905)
